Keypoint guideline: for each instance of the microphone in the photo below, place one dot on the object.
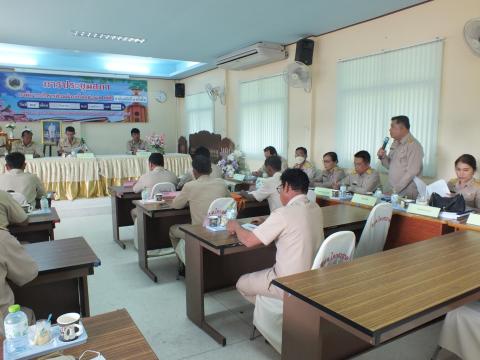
(385, 142)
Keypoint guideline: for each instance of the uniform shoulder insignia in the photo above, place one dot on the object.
(453, 181)
(353, 172)
(476, 182)
(369, 171)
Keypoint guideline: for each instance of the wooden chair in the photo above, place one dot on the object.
(227, 146)
(182, 147)
(209, 140)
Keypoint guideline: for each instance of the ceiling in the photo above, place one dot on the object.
(194, 31)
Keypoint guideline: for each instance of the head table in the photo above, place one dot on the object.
(73, 178)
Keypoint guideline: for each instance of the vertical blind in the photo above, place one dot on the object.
(373, 89)
(198, 113)
(263, 116)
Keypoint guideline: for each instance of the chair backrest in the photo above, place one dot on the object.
(182, 146)
(19, 197)
(162, 187)
(335, 249)
(311, 196)
(205, 138)
(375, 232)
(219, 206)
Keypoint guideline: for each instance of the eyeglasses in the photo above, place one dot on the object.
(279, 188)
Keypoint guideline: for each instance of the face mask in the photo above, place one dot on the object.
(299, 160)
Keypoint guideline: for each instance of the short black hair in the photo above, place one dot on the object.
(301, 148)
(363, 154)
(275, 162)
(156, 159)
(27, 131)
(203, 151)
(467, 159)
(202, 164)
(69, 129)
(296, 178)
(332, 155)
(15, 160)
(402, 119)
(271, 150)
(134, 131)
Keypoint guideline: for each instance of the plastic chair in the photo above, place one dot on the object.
(375, 232)
(162, 187)
(268, 314)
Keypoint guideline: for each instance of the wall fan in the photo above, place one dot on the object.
(471, 31)
(215, 92)
(298, 75)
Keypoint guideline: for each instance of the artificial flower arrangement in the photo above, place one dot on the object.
(156, 143)
(230, 163)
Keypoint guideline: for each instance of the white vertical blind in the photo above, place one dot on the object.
(263, 116)
(373, 89)
(199, 113)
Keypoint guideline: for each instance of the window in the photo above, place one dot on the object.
(373, 89)
(198, 113)
(263, 116)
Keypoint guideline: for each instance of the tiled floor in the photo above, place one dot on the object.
(159, 309)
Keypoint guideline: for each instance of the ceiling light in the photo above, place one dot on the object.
(103, 36)
(17, 60)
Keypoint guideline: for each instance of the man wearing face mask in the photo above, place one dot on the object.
(302, 163)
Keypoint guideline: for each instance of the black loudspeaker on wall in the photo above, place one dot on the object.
(180, 90)
(304, 51)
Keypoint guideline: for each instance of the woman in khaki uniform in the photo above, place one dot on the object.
(331, 174)
(465, 183)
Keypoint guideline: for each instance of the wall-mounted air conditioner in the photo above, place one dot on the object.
(259, 54)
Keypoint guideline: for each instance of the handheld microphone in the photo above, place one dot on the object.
(385, 142)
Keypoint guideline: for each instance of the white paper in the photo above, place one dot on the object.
(421, 186)
(440, 187)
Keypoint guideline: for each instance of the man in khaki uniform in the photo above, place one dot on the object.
(136, 143)
(296, 228)
(216, 171)
(156, 175)
(69, 143)
(268, 190)
(26, 145)
(10, 211)
(405, 159)
(198, 194)
(267, 152)
(18, 180)
(363, 179)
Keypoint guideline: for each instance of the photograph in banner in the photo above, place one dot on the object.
(51, 132)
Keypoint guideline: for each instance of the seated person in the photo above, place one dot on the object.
(363, 179)
(302, 163)
(331, 174)
(16, 266)
(69, 143)
(26, 145)
(11, 212)
(268, 190)
(216, 171)
(156, 175)
(465, 183)
(296, 228)
(136, 143)
(198, 194)
(267, 152)
(18, 180)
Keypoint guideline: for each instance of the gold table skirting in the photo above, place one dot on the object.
(73, 178)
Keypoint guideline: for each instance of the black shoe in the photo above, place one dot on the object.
(181, 270)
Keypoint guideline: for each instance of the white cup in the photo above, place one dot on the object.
(70, 328)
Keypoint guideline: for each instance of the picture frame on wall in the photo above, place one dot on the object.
(51, 132)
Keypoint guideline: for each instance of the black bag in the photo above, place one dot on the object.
(454, 204)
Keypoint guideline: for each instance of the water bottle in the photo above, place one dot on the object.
(144, 194)
(343, 191)
(232, 212)
(394, 199)
(378, 194)
(44, 203)
(16, 329)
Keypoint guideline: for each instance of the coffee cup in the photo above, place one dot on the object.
(27, 208)
(158, 197)
(213, 221)
(69, 326)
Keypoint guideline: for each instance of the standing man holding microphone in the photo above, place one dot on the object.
(405, 159)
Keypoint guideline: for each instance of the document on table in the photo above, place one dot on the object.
(439, 186)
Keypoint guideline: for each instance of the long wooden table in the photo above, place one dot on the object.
(61, 285)
(115, 336)
(216, 260)
(39, 228)
(122, 204)
(343, 310)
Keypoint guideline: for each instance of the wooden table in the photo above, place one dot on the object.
(39, 228)
(343, 217)
(115, 336)
(460, 225)
(343, 310)
(122, 204)
(61, 285)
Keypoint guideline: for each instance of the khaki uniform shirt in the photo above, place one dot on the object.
(134, 146)
(15, 265)
(326, 178)
(10, 211)
(361, 184)
(216, 173)
(297, 229)
(262, 169)
(269, 191)
(24, 183)
(64, 145)
(404, 161)
(157, 175)
(470, 191)
(199, 194)
(32, 148)
(307, 168)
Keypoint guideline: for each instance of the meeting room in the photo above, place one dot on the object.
(240, 180)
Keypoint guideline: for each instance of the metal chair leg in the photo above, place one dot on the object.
(435, 354)
(252, 337)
